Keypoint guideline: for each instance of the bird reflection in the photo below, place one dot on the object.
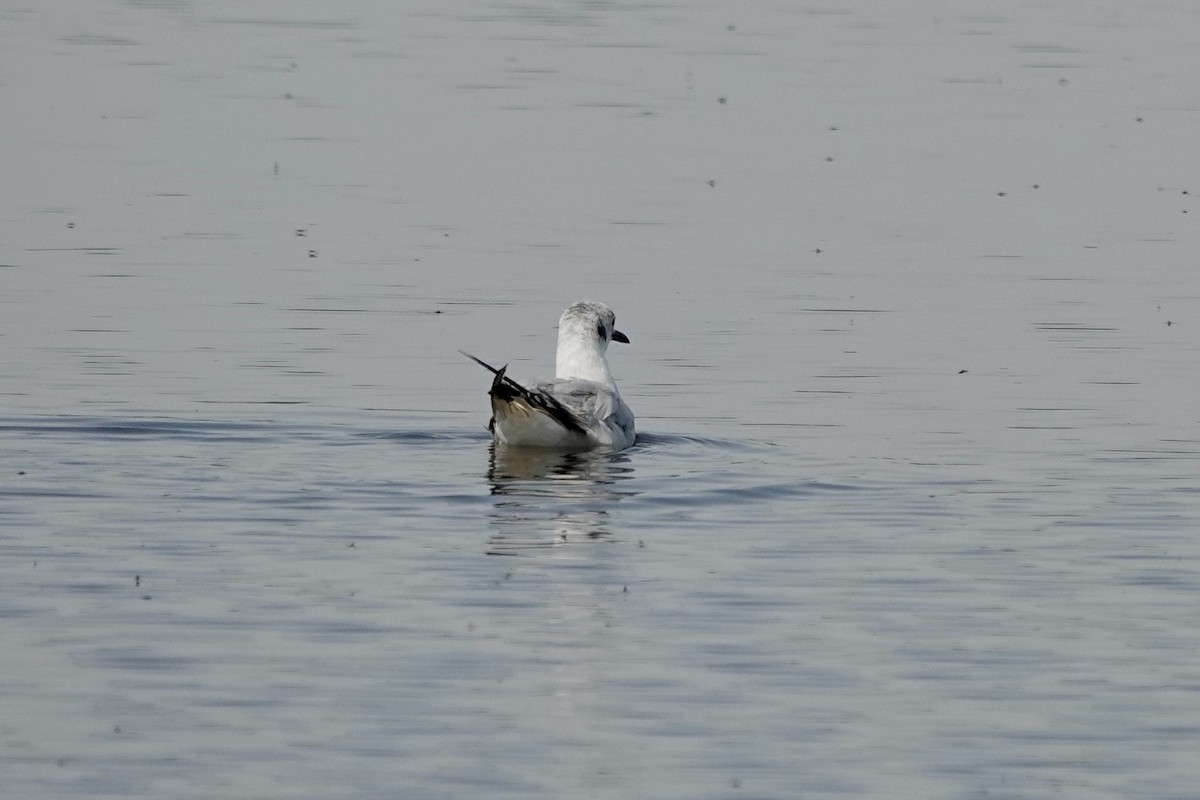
(545, 500)
(514, 470)
(557, 513)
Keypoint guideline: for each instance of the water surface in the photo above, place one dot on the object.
(913, 508)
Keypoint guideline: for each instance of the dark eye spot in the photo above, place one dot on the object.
(603, 334)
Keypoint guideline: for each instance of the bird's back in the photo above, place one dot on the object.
(598, 407)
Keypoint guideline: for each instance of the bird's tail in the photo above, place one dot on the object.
(506, 390)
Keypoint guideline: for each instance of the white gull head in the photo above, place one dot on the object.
(584, 331)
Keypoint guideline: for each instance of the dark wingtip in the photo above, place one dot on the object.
(481, 362)
(498, 386)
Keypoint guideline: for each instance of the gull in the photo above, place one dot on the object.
(578, 409)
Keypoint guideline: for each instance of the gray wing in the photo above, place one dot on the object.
(593, 404)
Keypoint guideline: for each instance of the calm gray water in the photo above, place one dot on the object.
(915, 504)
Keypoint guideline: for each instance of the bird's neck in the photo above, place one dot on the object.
(578, 360)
